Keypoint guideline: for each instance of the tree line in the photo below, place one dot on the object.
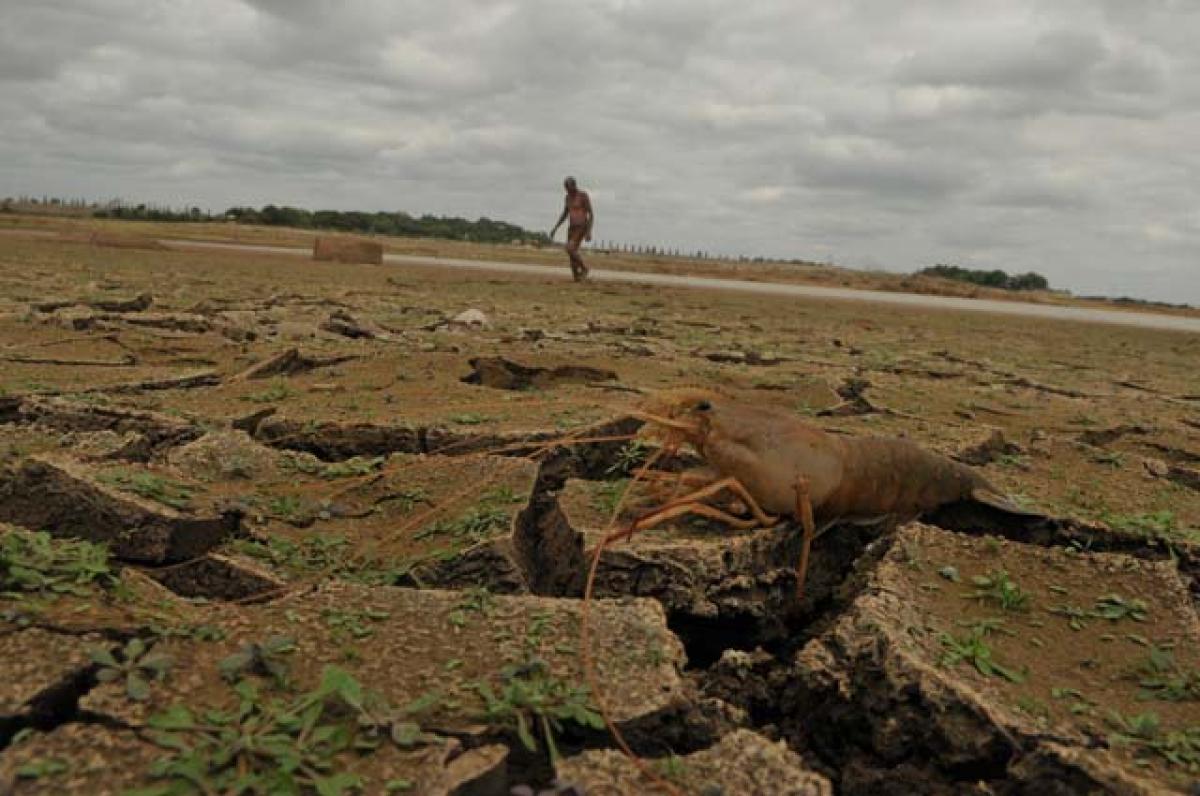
(993, 278)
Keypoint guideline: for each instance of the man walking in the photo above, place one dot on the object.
(578, 206)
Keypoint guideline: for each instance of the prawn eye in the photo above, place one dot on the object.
(703, 406)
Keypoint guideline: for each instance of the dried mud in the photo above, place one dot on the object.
(318, 451)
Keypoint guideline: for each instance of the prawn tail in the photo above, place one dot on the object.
(996, 500)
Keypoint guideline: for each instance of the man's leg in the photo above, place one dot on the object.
(574, 241)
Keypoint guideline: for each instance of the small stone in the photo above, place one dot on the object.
(950, 574)
(1157, 468)
(472, 319)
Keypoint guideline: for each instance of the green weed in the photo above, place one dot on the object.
(629, 458)
(997, 588)
(531, 699)
(1114, 608)
(278, 391)
(1145, 734)
(303, 745)
(151, 486)
(135, 664)
(974, 650)
(1161, 678)
(268, 659)
(37, 563)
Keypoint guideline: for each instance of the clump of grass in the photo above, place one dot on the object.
(135, 664)
(491, 514)
(150, 486)
(1161, 678)
(306, 744)
(278, 391)
(999, 589)
(531, 699)
(35, 563)
(972, 649)
(608, 494)
(1114, 608)
(629, 458)
(265, 659)
(1144, 733)
(470, 419)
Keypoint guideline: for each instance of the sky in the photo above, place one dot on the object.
(1056, 136)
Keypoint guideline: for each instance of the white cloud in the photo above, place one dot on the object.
(1047, 136)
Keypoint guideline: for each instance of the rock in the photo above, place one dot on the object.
(175, 321)
(67, 499)
(38, 671)
(471, 319)
(504, 374)
(288, 363)
(404, 639)
(988, 449)
(1156, 467)
(108, 761)
(223, 455)
(734, 583)
(879, 696)
(139, 303)
(743, 762)
(333, 441)
(763, 358)
(157, 430)
(1100, 438)
(218, 577)
(343, 323)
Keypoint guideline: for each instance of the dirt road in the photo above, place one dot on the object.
(1144, 320)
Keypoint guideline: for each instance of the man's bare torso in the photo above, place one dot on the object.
(578, 205)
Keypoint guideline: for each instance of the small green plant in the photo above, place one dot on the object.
(999, 589)
(1161, 678)
(278, 391)
(353, 468)
(37, 563)
(268, 659)
(42, 769)
(150, 486)
(474, 526)
(476, 600)
(608, 495)
(135, 664)
(629, 458)
(286, 507)
(1077, 617)
(470, 419)
(352, 624)
(314, 553)
(1154, 524)
(408, 499)
(530, 697)
(1111, 458)
(1144, 733)
(972, 649)
(307, 744)
(1114, 608)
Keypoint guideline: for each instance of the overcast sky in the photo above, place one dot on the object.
(1056, 136)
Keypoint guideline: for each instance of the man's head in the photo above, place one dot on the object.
(569, 184)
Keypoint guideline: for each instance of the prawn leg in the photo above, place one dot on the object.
(804, 514)
(690, 504)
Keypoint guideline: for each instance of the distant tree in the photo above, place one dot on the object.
(994, 278)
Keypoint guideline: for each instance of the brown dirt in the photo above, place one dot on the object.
(366, 457)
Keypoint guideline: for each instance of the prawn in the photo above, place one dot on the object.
(779, 466)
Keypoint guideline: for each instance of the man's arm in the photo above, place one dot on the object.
(561, 218)
(591, 216)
